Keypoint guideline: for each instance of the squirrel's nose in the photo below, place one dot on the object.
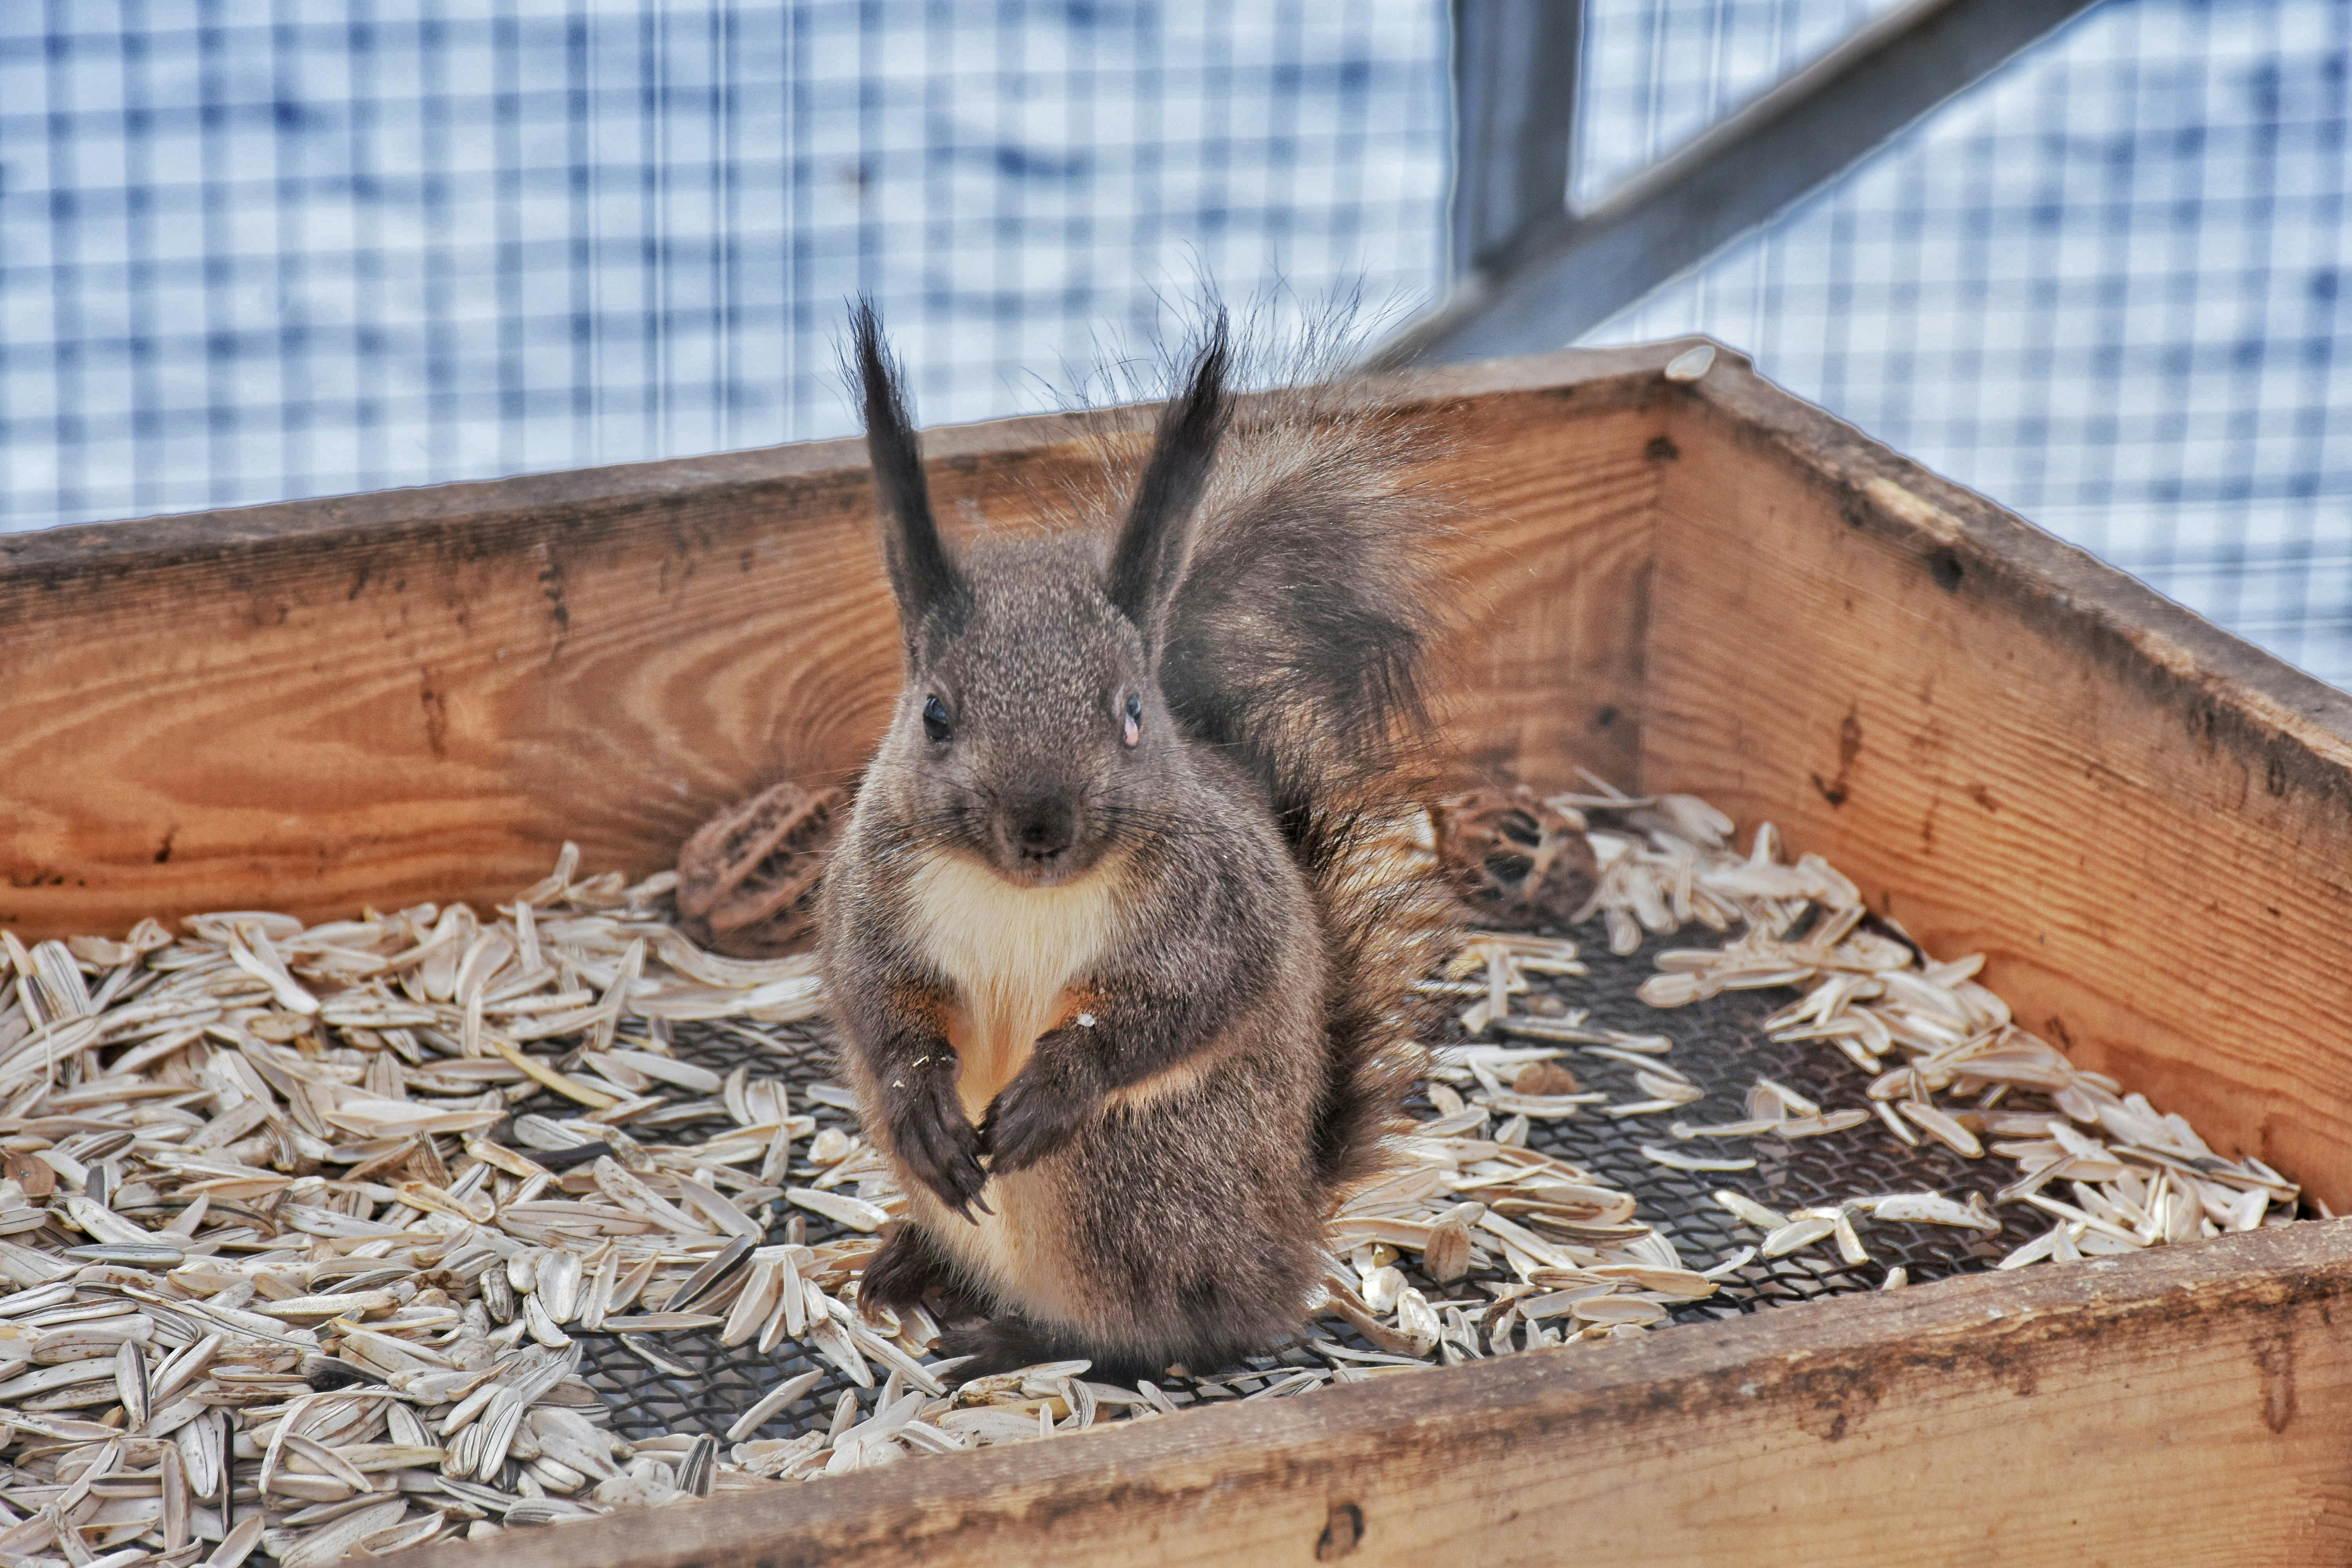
(1043, 828)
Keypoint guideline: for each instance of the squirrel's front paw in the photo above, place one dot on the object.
(1030, 1119)
(939, 1146)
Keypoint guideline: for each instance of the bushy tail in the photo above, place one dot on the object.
(1387, 918)
(1300, 637)
(1301, 640)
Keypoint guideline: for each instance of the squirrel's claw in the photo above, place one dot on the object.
(940, 1148)
(1027, 1121)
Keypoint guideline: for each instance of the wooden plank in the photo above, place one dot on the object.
(2146, 824)
(2178, 1407)
(421, 694)
(1558, 501)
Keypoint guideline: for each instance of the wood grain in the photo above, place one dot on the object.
(420, 695)
(2016, 751)
(2176, 1408)
(1554, 572)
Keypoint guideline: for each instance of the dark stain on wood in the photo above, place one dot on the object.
(1837, 791)
(1342, 1533)
(2276, 1356)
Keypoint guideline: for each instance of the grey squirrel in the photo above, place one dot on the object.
(1123, 978)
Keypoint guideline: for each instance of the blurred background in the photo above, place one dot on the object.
(2086, 258)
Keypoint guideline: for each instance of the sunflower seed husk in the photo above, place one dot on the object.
(498, 1294)
(558, 1287)
(710, 1273)
(1674, 1160)
(855, 1213)
(1796, 1234)
(1941, 1127)
(238, 1544)
(1447, 1257)
(131, 1382)
(778, 1398)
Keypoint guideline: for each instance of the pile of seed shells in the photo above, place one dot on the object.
(300, 1225)
(1943, 1051)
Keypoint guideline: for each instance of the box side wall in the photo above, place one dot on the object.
(318, 715)
(1994, 737)
(1557, 509)
(2186, 1407)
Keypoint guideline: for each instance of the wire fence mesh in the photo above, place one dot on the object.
(250, 253)
(2102, 287)
(1658, 72)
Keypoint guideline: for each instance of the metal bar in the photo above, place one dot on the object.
(1563, 276)
(1515, 86)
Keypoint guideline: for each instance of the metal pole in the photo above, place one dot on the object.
(1515, 86)
(1557, 277)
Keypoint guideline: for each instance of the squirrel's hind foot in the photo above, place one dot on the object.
(1010, 1341)
(909, 1266)
(1006, 1344)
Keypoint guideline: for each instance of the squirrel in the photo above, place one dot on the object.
(1122, 968)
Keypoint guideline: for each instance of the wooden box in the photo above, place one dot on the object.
(1708, 586)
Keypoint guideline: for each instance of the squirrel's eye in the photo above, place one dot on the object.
(1132, 730)
(935, 719)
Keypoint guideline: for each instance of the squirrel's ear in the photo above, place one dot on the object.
(1147, 563)
(922, 573)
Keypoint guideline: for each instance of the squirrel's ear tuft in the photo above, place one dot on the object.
(922, 573)
(1147, 563)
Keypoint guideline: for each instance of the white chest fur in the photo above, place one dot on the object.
(1012, 953)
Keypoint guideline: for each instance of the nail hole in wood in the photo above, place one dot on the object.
(1340, 1533)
